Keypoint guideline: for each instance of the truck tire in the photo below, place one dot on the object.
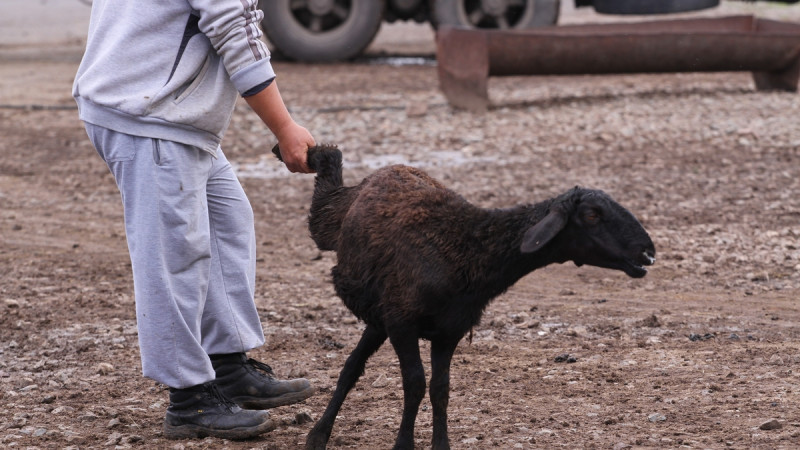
(321, 30)
(503, 14)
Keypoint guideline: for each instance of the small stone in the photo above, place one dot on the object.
(11, 303)
(771, 424)
(113, 439)
(380, 382)
(157, 405)
(416, 109)
(18, 422)
(113, 423)
(651, 322)
(39, 432)
(565, 357)
(657, 417)
(297, 372)
(104, 368)
(776, 359)
(48, 399)
(302, 417)
(61, 409)
(694, 337)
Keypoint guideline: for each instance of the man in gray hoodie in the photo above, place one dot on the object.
(156, 90)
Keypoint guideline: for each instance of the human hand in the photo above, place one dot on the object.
(294, 142)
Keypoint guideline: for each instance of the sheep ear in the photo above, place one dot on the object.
(543, 232)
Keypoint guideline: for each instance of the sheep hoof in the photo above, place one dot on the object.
(316, 442)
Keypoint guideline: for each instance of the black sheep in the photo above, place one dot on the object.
(417, 261)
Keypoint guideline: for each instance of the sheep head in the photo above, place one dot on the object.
(589, 227)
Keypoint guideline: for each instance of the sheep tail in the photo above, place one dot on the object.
(326, 161)
(331, 199)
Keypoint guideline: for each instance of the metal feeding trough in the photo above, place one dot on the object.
(767, 48)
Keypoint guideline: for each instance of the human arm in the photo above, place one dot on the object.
(293, 139)
(232, 28)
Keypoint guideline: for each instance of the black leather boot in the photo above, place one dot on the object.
(252, 384)
(202, 411)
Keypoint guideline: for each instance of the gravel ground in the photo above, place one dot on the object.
(701, 353)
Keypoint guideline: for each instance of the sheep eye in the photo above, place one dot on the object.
(591, 217)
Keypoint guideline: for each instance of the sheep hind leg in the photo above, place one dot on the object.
(406, 345)
(441, 357)
(371, 341)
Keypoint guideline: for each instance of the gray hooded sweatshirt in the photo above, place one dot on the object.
(170, 69)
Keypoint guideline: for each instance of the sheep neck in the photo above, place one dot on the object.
(497, 236)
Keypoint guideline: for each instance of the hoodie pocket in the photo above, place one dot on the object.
(187, 89)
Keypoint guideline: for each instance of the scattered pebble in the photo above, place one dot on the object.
(380, 382)
(565, 357)
(11, 303)
(771, 424)
(657, 417)
(63, 409)
(776, 360)
(104, 368)
(694, 337)
(113, 439)
(416, 109)
(651, 322)
(302, 417)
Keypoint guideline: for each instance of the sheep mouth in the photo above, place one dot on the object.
(636, 268)
(633, 269)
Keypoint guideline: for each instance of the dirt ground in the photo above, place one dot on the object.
(701, 353)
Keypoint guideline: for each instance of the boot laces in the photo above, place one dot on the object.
(213, 392)
(267, 370)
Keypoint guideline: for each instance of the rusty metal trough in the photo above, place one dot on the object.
(767, 48)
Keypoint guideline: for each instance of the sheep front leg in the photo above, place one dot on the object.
(406, 345)
(371, 341)
(441, 357)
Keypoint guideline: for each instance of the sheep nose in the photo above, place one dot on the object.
(648, 257)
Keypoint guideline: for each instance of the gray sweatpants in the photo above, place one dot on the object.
(191, 239)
